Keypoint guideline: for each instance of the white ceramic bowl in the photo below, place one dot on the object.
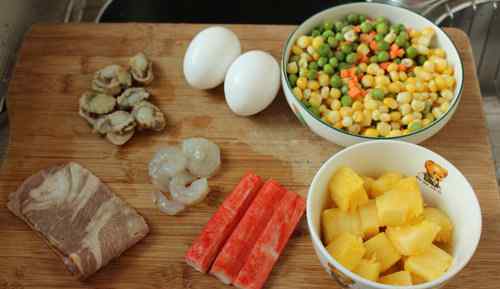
(455, 196)
(395, 15)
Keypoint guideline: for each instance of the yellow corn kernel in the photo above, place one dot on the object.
(292, 68)
(338, 124)
(430, 116)
(447, 94)
(392, 67)
(371, 104)
(395, 115)
(403, 76)
(414, 33)
(403, 97)
(395, 133)
(394, 75)
(302, 82)
(383, 128)
(421, 49)
(417, 115)
(407, 119)
(383, 108)
(324, 79)
(385, 117)
(376, 115)
(431, 85)
(410, 87)
(390, 102)
(433, 96)
(429, 66)
(346, 111)
(395, 125)
(449, 70)
(313, 85)
(358, 116)
(304, 41)
(382, 80)
(315, 56)
(363, 66)
(323, 109)
(449, 81)
(354, 129)
(437, 112)
(325, 92)
(335, 105)
(444, 106)
(347, 121)
(335, 93)
(315, 99)
(439, 52)
(332, 116)
(317, 41)
(307, 93)
(310, 50)
(305, 56)
(394, 87)
(380, 72)
(440, 100)
(372, 69)
(417, 105)
(303, 71)
(367, 80)
(297, 50)
(411, 80)
(357, 105)
(440, 82)
(440, 64)
(405, 108)
(298, 93)
(426, 122)
(371, 132)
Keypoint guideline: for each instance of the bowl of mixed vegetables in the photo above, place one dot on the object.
(365, 71)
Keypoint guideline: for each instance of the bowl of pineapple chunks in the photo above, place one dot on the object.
(390, 213)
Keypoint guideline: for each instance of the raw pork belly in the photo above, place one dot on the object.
(78, 216)
(271, 242)
(205, 248)
(239, 245)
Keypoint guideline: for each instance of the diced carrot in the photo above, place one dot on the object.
(362, 58)
(401, 52)
(385, 65)
(393, 54)
(355, 92)
(394, 46)
(357, 29)
(373, 45)
(402, 67)
(345, 73)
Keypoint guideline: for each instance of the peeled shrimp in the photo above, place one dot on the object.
(188, 195)
(167, 206)
(203, 156)
(166, 163)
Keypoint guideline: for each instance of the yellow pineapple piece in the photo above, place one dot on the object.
(416, 279)
(401, 278)
(384, 183)
(415, 239)
(347, 249)
(439, 217)
(336, 222)
(384, 251)
(368, 269)
(369, 219)
(429, 265)
(347, 189)
(368, 183)
(400, 205)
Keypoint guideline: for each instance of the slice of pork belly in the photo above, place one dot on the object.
(78, 216)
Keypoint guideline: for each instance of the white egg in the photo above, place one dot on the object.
(252, 82)
(209, 56)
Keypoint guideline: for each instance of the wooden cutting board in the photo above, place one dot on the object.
(55, 67)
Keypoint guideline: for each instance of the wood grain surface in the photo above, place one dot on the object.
(55, 67)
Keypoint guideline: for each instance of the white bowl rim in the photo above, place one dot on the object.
(316, 239)
(456, 99)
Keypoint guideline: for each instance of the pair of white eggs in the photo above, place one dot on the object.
(251, 80)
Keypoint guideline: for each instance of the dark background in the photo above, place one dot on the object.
(214, 11)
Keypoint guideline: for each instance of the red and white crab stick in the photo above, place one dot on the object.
(206, 247)
(235, 252)
(271, 242)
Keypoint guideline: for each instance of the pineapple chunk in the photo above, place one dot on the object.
(439, 217)
(368, 269)
(430, 265)
(347, 249)
(369, 219)
(416, 279)
(413, 240)
(347, 189)
(401, 278)
(368, 183)
(384, 251)
(336, 222)
(400, 205)
(384, 183)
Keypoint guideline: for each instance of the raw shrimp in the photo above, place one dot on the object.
(167, 206)
(188, 195)
(203, 156)
(166, 163)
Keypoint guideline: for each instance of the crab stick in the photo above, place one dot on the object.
(206, 247)
(271, 243)
(239, 245)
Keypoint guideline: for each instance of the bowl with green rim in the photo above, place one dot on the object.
(342, 137)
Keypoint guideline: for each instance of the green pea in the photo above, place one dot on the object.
(397, 60)
(328, 33)
(373, 59)
(339, 25)
(315, 33)
(395, 28)
(333, 62)
(327, 25)
(382, 28)
(377, 94)
(401, 27)
(314, 110)
(406, 45)
(353, 18)
(382, 56)
(362, 18)
(340, 55)
(339, 36)
(332, 42)
(312, 74)
(346, 48)
(411, 52)
(322, 61)
(344, 65)
(336, 81)
(344, 89)
(366, 27)
(400, 41)
(328, 69)
(351, 58)
(381, 19)
(313, 66)
(404, 35)
(324, 49)
(382, 45)
(414, 126)
(379, 37)
(421, 59)
(346, 100)
(292, 79)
